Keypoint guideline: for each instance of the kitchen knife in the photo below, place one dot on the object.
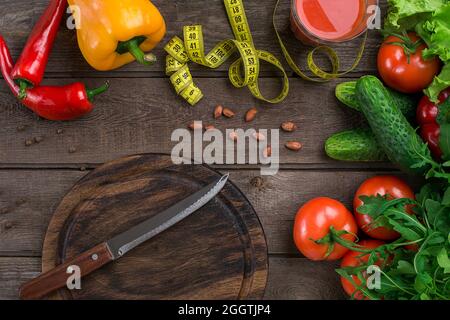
(118, 246)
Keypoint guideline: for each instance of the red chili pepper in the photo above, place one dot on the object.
(30, 67)
(51, 102)
(430, 131)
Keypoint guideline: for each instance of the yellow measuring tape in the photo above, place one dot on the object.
(245, 70)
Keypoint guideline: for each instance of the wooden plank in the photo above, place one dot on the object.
(301, 279)
(139, 116)
(14, 272)
(17, 21)
(289, 278)
(276, 200)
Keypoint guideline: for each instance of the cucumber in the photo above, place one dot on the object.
(346, 93)
(354, 145)
(392, 130)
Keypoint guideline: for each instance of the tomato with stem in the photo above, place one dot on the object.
(356, 259)
(402, 66)
(390, 186)
(317, 225)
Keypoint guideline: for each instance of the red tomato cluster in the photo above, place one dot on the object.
(314, 220)
(430, 130)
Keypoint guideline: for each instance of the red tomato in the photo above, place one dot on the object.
(395, 188)
(406, 76)
(430, 130)
(354, 259)
(313, 222)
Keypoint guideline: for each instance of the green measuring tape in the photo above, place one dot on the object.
(243, 72)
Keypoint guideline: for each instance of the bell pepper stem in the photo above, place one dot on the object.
(23, 86)
(141, 57)
(91, 93)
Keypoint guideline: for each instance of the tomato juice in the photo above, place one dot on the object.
(316, 21)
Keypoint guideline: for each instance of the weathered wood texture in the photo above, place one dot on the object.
(139, 116)
(275, 199)
(220, 252)
(16, 22)
(289, 278)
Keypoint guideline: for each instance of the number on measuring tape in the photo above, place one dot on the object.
(243, 72)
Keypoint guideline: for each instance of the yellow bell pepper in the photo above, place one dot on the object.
(112, 33)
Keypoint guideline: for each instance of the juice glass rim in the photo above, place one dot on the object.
(318, 39)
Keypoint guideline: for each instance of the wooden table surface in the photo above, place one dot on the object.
(139, 114)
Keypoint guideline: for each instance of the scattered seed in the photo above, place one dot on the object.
(28, 142)
(259, 136)
(195, 125)
(267, 152)
(227, 112)
(250, 115)
(38, 139)
(294, 145)
(20, 202)
(4, 210)
(72, 150)
(257, 182)
(8, 225)
(233, 135)
(21, 128)
(59, 131)
(83, 169)
(218, 112)
(288, 126)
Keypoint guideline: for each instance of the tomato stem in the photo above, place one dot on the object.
(409, 47)
(336, 237)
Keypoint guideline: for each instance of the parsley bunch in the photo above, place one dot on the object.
(417, 265)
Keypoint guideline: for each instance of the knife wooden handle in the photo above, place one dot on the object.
(56, 278)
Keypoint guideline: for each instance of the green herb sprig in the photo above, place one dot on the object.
(417, 265)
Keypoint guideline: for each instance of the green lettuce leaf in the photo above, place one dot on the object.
(440, 83)
(406, 14)
(436, 34)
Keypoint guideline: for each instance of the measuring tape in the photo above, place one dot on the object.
(243, 72)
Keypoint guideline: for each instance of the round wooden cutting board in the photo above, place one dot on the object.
(219, 252)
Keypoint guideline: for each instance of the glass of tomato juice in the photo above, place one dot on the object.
(330, 21)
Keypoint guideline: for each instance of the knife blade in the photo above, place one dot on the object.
(116, 247)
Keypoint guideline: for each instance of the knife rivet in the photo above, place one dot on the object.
(95, 257)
